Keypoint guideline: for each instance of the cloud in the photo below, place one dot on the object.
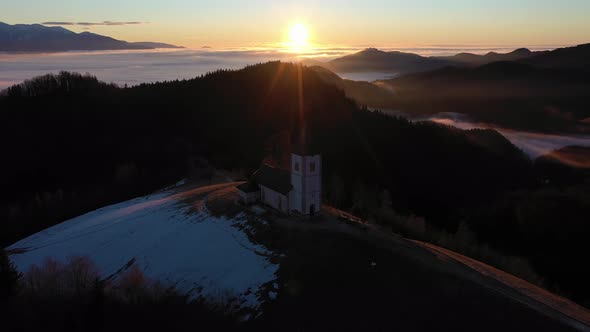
(108, 23)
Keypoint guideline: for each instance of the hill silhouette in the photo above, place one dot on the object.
(40, 38)
(478, 60)
(75, 144)
(509, 94)
(375, 60)
(576, 57)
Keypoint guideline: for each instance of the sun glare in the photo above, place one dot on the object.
(298, 35)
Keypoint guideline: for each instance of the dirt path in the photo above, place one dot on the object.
(533, 296)
(513, 287)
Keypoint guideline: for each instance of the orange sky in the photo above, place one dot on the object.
(234, 23)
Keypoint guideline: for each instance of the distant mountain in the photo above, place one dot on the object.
(372, 59)
(475, 59)
(155, 45)
(40, 38)
(508, 94)
(568, 57)
(497, 79)
(545, 91)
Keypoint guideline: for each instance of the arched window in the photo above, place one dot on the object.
(312, 167)
(296, 167)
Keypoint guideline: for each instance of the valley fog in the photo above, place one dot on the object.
(143, 66)
(533, 144)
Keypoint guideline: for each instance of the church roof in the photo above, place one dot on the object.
(303, 149)
(273, 178)
(248, 187)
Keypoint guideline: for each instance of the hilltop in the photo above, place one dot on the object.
(289, 273)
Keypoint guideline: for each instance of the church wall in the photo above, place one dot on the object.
(249, 198)
(295, 201)
(313, 183)
(297, 182)
(274, 199)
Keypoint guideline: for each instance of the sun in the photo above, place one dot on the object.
(298, 35)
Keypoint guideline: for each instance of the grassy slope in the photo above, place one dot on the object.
(327, 282)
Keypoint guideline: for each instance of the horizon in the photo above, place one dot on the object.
(380, 24)
(313, 50)
(122, 67)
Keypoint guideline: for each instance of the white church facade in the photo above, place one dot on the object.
(298, 190)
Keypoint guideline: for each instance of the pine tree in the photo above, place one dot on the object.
(8, 276)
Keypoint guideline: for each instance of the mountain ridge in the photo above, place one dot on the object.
(39, 38)
(372, 59)
(375, 60)
(574, 57)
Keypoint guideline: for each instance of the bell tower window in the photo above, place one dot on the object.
(296, 167)
(312, 167)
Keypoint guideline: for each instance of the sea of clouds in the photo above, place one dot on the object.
(142, 66)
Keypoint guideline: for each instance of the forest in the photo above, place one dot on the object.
(72, 144)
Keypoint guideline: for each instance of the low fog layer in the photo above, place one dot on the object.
(533, 144)
(141, 66)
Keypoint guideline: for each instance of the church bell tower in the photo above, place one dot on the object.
(306, 178)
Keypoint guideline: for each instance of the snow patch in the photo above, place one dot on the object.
(201, 254)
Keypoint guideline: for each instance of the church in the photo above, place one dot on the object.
(294, 191)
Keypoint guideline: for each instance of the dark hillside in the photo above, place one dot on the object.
(330, 284)
(364, 93)
(508, 94)
(72, 144)
(74, 136)
(576, 57)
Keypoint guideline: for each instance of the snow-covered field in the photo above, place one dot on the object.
(171, 241)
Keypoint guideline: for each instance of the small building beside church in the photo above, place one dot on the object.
(294, 191)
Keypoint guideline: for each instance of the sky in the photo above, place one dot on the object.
(378, 23)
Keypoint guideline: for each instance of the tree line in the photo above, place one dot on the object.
(72, 144)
